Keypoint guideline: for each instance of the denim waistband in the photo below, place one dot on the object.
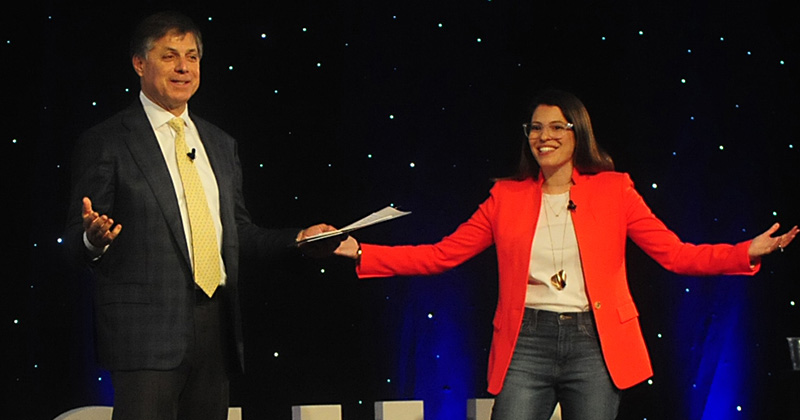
(560, 318)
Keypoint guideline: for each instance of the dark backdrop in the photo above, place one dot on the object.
(342, 108)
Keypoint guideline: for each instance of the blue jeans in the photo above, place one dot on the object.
(557, 359)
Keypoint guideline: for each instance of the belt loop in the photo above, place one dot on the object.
(586, 318)
(530, 317)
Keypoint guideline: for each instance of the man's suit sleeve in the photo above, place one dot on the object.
(93, 177)
(255, 241)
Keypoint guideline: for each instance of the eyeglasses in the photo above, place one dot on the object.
(557, 129)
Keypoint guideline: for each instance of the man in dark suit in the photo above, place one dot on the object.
(169, 339)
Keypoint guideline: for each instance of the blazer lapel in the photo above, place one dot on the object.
(579, 194)
(219, 160)
(589, 231)
(147, 155)
(214, 151)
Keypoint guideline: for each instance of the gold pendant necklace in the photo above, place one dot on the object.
(556, 213)
(559, 279)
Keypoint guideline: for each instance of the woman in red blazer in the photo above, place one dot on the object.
(571, 337)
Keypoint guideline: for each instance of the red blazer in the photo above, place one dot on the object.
(608, 211)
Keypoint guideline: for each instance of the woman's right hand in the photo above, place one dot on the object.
(348, 248)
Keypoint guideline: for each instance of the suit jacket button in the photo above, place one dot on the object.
(597, 305)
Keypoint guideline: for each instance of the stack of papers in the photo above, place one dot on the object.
(387, 213)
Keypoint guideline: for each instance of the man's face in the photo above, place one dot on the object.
(170, 74)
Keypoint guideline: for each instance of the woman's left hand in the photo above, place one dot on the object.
(765, 243)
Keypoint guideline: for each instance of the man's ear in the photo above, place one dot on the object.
(138, 64)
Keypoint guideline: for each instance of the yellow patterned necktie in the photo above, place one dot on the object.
(205, 251)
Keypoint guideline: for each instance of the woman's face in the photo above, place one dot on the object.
(551, 139)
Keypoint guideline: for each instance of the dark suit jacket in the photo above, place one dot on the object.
(144, 287)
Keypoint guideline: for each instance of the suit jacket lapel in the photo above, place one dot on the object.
(218, 158)
(214, 151)
(147, 155)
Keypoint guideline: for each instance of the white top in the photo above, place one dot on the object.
(555, 247)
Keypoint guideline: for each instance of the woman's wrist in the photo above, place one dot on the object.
(349, 248)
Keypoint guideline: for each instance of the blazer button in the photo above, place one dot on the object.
(597, 305)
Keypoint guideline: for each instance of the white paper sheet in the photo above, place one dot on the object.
(383, 215)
